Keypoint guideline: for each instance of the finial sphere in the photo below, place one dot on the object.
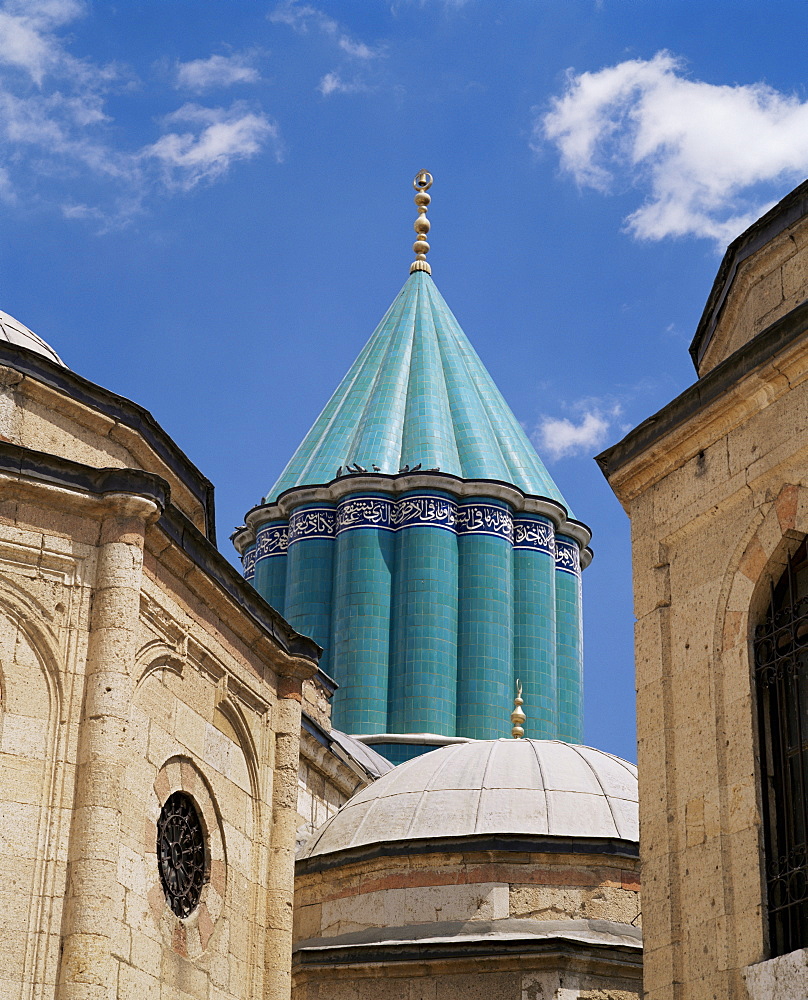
(518, 717)
(422, 182)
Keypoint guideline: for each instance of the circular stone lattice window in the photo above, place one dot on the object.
(181, 853)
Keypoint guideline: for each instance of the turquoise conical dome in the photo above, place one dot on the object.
(418, 395)
(418, 538)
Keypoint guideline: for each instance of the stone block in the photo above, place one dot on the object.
(479, 986)
(190, 729)
(21, 778)
(19, 825)
(146, 954)
(135, 984)
(24, 736)
(178, 973)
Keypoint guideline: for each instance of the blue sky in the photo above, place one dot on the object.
(207, 207)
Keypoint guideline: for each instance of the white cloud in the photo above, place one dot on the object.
(216, 138)
(332, 83)
(216, 71)
(58, 145)
(302, 17)
(560, 437)
(702, 152)
(26, 34)
(359, 50)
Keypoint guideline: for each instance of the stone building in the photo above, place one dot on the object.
(418, 537)
(499, 868)
(716, 486)
(150, 714)
(166, 737)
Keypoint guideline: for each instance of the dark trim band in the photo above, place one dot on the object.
(517, 843)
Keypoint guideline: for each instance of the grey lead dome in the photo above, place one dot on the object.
(12, 331)
(537, 788)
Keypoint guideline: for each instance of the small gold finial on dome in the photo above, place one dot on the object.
(517, 715)
(422, 183)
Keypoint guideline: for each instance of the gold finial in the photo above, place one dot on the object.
(422, 183)
(517, 715)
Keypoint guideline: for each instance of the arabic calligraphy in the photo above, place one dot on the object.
(313, 522)
(484, 519)
(248, 561)
(535, 534)
(530, 533)
(567, 557)
(411, 512)
(365, 512)
(272, 540)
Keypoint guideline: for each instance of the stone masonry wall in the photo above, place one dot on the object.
(391, 891)
(714, 506)
(766, 286)
(120, 683)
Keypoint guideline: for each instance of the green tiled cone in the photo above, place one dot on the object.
(429, 602)
(418, 395)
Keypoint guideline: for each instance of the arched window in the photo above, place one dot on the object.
(781, 675)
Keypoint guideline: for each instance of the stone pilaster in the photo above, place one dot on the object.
(285, 820)
(94, 900)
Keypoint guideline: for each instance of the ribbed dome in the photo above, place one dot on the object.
(536, 788)
(418, 395)
(12, 331)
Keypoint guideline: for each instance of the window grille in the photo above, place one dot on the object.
(181, 854)
(781, 675)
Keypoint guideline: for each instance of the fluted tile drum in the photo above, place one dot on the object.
(485, 617)
(569, 640)
(534, 620)
(307, 601)
(418, 537)
(360, 646)
(423, 662)
(269, 563)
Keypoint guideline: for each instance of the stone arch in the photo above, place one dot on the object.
(189, 936)
(760, 555)
(187, 723)
(235, 716)
(33, 749)
(30, 617)
(157, 655)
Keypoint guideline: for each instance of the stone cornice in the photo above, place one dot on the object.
(784, 214)
(94, 492)
(748, 380)
(513, 842)
(333, 492)
(318, 752)
(68, 385)
(50, 480)
(207, 557)
(598, 941)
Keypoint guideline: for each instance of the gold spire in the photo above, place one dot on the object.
(422, 183)
(517, 715)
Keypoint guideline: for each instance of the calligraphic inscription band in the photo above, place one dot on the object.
(313, 522)
(484, 519)
(365, 512)
(567, 557)
(538, 536)
(248, 561)
(272, 540)
(426, 511)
